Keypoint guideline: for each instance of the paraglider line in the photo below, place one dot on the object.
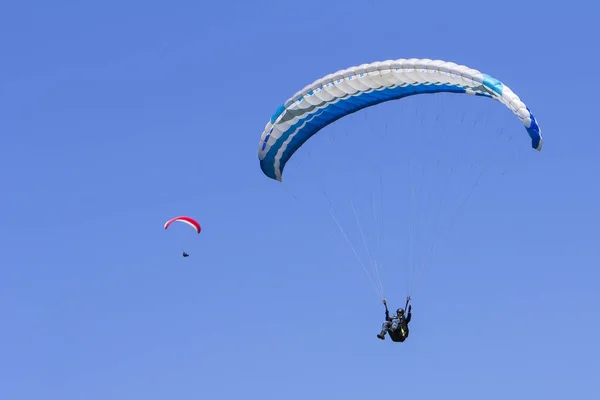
(374, 264)
(453, 219)
(379, 291)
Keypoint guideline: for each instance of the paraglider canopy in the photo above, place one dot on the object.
(347, 91)
(187, 220)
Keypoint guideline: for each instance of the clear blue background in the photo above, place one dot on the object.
(116, 116)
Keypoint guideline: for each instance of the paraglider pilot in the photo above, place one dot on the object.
(396, 326)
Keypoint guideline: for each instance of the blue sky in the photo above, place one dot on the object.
(119, 115)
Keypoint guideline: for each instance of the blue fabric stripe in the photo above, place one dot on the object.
(494, 84)
(277, 113)
(534, 132)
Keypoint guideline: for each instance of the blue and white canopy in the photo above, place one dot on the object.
(347, 91)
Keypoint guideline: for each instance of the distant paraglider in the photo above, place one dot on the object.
(186, 220)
